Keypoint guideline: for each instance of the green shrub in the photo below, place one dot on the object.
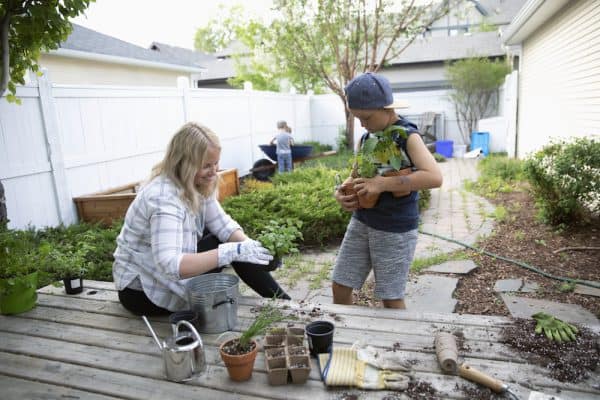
(498, 174)
(317, 147)
(565, 179)
(18, 254)
(306, 194)
(498, 165)
(439, 158)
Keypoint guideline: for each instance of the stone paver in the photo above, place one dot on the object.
(508, 285)
(431, 293)
(523, 307)
(515, 285)
(460, 267)
(587, 290)
(454, 213)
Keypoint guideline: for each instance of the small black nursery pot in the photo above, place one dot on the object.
(73, 285)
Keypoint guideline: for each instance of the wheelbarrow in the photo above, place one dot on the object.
(264, 168)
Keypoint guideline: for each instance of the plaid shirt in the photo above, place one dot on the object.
(158, 230)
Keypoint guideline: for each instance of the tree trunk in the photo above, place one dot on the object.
(3, 213)
(4, 52)
(349, 129)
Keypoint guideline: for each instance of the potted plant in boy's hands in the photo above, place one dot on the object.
(69, 264)
(379, 150)
(239, 354)
(279, 237)
(18, 272)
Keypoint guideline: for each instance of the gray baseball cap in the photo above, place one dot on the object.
(371, 91)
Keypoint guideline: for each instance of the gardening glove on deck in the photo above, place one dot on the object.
(381, 359)
(249, 251)
(343, 368)
(554, 328)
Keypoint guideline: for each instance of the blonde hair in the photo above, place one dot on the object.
(185, 155)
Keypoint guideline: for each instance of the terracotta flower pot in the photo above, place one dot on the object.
(368, 201)
(240, 366)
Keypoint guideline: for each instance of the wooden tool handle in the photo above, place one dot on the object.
(470, 373)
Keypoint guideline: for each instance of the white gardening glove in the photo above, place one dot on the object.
(343, 368)
(249, 251)
(381, 359)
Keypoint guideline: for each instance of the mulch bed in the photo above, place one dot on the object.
(523, 237)
(566, 361)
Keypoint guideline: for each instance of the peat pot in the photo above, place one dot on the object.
(214, 297)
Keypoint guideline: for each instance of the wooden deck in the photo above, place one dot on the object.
(88, 346)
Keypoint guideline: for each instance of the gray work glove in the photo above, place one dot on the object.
(249, 251)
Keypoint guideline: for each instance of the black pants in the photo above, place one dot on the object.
(253, 275)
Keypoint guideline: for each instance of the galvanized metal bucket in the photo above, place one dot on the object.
(214, 297)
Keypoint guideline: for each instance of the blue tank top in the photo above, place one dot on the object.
(393, 214)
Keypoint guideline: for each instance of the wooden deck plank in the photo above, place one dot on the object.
(16, 388)
(107, 382)
(93, 334)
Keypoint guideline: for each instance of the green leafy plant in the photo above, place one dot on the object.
(68, 261)
(565, 179)
(17, 253)
(381, 149)
(280, 236)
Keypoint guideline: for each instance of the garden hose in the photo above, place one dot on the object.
(516, 262)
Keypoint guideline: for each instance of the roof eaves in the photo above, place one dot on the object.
(85, 55)
(530, 17)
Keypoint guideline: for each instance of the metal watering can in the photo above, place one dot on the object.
(183, 353)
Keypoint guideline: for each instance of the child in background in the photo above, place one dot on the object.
(284, 146)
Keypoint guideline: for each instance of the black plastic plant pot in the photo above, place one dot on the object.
(274, 264)
(73, 285)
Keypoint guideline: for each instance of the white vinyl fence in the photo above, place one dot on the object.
(65, 141)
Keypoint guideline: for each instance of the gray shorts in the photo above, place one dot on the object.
(389, 254)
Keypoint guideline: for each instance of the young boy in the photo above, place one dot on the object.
(382, 238)
(284, 146)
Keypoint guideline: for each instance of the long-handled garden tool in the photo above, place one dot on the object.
(447, 355)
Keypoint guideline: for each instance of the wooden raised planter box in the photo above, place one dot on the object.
(112, 204)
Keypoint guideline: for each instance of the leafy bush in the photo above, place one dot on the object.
(99, 242)
(498, 174)
(251, 185)
(439, 158)
(306, 194)
(565, 179)
(18, 255)
(317, 147)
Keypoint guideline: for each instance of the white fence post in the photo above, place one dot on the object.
(54, 149)
(184, 84)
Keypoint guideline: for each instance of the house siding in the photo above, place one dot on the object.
(70, 71)
(559, 94)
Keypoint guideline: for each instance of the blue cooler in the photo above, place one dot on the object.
(481, 140)
(444, 147)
